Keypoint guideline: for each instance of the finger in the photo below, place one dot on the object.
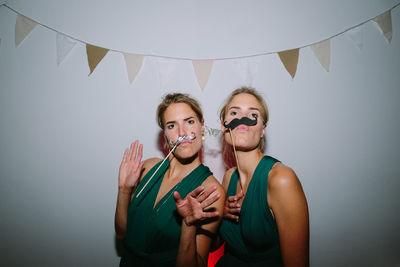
(210, 200)
(207, 193)
(210, 214)
(234, 211)
(197, 191)
(125, 155)
(240, 195)
(233, 205)
(129, 152)
(133, 151)
(177, 196)
(231, 199)
(140, 154)
(231, 217)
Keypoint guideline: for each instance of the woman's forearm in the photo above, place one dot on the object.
(187, 252)
(121, 212)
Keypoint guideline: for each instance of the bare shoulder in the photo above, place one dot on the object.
(282, 177)
(212, 181)
(148, 164)
(227, 178)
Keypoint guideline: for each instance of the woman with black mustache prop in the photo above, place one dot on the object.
(266, 214)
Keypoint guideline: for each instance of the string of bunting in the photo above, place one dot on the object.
(202, 68)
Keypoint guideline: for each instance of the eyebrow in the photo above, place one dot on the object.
(185, 119)
(251, 108)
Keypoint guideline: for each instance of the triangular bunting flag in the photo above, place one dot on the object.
(290, 59)
(356, 35)
(322, 51)
(95, 54)
(384, 21)
(23, 26)
(133, 64)
(247, 70)
(202, 69)
(165, 70)
(64, 46)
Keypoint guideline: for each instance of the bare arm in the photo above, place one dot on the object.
(199, 226)
(129, 173)
(289, 205)
(231, 208)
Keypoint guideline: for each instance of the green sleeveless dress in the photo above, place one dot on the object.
(153, 234)
(254, 240)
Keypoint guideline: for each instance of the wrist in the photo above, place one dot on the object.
(124, 190)
(189, 224)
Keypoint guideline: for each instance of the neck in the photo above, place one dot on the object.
(180, 168)
(247, 162)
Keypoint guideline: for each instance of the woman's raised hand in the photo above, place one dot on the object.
(195, 207)
(131, 166)
(232, 206)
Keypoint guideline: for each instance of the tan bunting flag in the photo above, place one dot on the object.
(202, 69)
(95, 54)
(384, 21)
(23, 26)
(133, 65)
(322, 50)
(290, 59)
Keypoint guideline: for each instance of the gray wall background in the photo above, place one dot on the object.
(62, 135)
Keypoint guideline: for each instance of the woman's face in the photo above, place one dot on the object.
(245, 137)
(180, 120)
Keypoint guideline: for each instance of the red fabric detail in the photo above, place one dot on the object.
(214, 256)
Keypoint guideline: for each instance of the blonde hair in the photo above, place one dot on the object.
(173, 98)
(264, 109)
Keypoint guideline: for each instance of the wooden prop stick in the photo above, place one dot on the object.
(236, 158)
(177, 143)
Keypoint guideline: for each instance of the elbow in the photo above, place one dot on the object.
(120, 233)
(120, 236)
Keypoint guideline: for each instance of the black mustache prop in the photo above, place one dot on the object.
(244, 120)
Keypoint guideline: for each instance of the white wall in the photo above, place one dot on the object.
(62, 135)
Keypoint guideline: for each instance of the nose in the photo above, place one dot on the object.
(182, 130)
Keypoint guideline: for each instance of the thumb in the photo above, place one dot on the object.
(177, 196)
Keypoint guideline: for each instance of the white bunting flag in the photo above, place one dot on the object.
(384, 22)
(202, 69)
(165, 69)
(322, 50)
(247, 70)
(133, 65)
(356, 35)
(23, 26)
(64, 47)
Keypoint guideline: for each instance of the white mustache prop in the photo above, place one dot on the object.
(181, 139)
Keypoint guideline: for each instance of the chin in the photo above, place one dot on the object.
(185, 158)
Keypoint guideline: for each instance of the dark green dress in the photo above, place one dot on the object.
(153, 234)
(254, 240)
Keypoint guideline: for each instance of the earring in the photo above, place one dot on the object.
(203, 136)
